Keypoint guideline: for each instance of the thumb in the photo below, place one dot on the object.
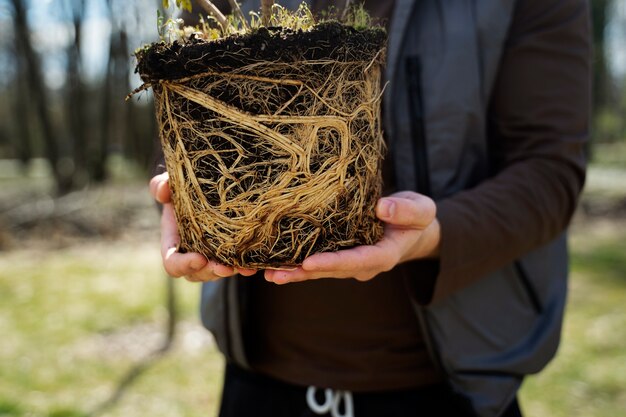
(411, 210)
(160, 188)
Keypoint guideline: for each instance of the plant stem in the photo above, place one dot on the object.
(213, 10)
(237, 11)
(344, 13)
(266, 11)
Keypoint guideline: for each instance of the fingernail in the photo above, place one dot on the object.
(275, 277)
(157, 192)
(172, 250)
(387, 208)
(268, 275)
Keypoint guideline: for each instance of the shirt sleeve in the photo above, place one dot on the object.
(538, 124)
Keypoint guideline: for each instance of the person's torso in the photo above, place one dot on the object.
(339, 333)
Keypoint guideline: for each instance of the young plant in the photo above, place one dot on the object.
(169, 29)
(271, 15)
(357, 17)
(208, 6)
(183, 4)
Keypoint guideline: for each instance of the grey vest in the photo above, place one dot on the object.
(442, 59)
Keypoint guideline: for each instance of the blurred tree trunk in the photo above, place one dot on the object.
(137, 141)
(99, 153)
(22, 141)
(75, 104)
(122, 123)
(601, 78)
(39, 97)
(127, 119)
(121, 84)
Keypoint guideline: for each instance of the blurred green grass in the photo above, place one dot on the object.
(75, 319)
(588, 376)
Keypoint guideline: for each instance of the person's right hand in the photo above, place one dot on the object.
(193, 266)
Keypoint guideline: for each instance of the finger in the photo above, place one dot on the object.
(351, 262)
(181, 264)
(163, 193)
(362, 262)
(206, 274)
(176, 264)
(410, 210)
(169, 230)
(246, 272)
(155, 181)
(212, 271)
(221, 270)
(295, 275)
(160, 188)
(193, 278)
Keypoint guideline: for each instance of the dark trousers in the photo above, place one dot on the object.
(246, 394)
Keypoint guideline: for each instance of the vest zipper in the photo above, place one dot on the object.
(413, 74)
(413, 68)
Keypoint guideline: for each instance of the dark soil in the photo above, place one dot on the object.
(328, 40)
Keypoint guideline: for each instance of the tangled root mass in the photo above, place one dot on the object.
(272, 141)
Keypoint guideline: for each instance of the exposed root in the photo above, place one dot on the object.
(274, 161)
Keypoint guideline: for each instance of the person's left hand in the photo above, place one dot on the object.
(194, 266)
(411, 232)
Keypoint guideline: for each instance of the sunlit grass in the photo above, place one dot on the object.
(588, 376)
(75, 320)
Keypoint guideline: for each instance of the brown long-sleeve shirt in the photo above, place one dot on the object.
(364, 336)
(538, 124)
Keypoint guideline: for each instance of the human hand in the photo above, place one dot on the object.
(411, 232)
(193, 266)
